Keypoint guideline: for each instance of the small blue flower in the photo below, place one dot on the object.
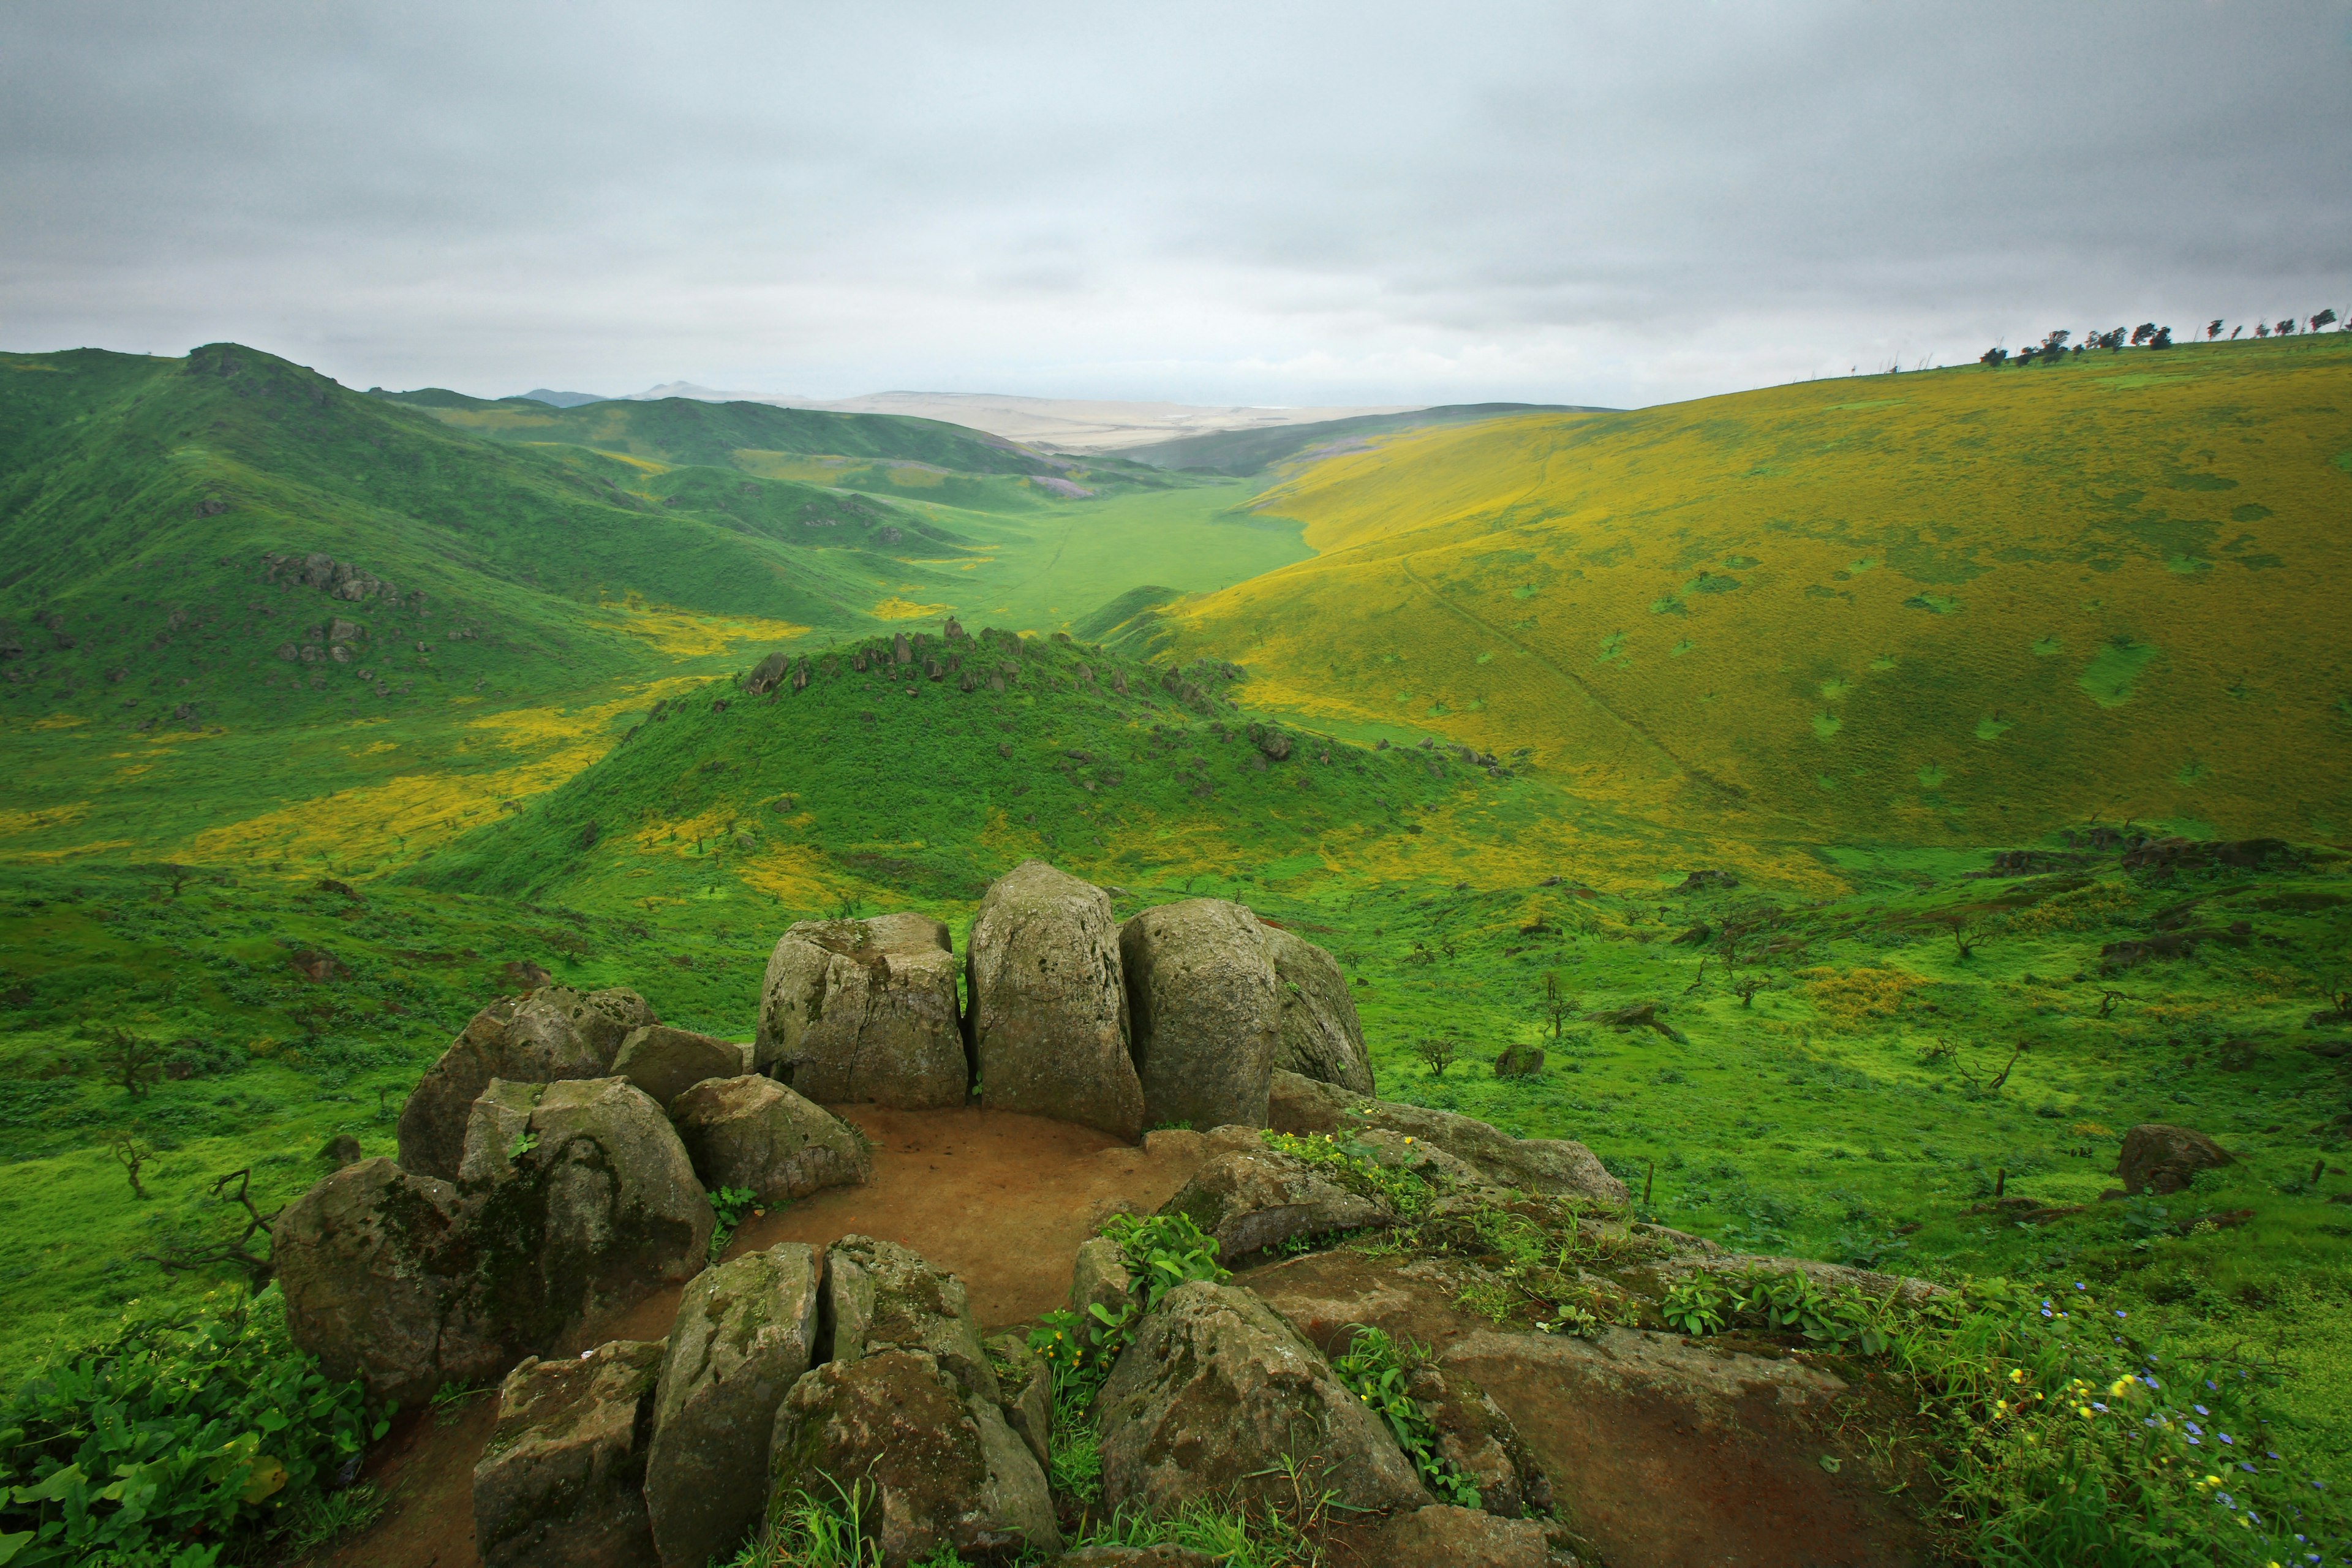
(2225, 1438)
(2196, 1443)
(2193, 1426)
(2246, 1466)
(2200, 1410)
(2045, 1311)
(2225, 1500)
(2078, 1285)
(2213, 1386)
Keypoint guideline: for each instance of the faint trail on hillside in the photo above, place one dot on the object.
(1731, 793)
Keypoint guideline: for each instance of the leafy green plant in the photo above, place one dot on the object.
(1696, 1306)
(1161, 1252)
(729, 1205)
(171, 1441)
(1355, 1166)
(1374, 1368)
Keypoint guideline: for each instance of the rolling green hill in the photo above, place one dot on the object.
(1961, 606)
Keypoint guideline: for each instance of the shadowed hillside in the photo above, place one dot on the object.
(1932, 607)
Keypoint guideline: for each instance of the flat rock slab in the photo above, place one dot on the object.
(1663, 1454)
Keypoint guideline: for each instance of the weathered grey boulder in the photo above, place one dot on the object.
(1252, 1199)
(1204, 1010)
(1321, 1037)
(939, 1466)
(1048, 1007)
(753, 1135)
(1100, 1277)
(1212, 1395)
(881, 1296)
(583, 1204)
(2161, 1158)
(549, 1034)
(746, 1331)
(856, 1011)
(1443, 1536)
(667, 1062)
(1028, 1387)
(369, 1261)
(1556, 1166)
(1480, 1441)
(561, 1482)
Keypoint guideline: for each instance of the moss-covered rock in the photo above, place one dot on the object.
(562, 1477)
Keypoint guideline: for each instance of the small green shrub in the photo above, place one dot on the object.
(1161, 1252)
(1355, 1166)
(1375, 1370)
(172, 1441)
(804, 1531)
(728, 1203)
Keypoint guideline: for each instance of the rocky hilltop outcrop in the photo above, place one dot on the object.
(554, 1172)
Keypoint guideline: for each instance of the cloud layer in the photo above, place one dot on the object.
(1363, 202)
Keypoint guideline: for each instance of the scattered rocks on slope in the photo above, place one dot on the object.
(1215, 1391)
(1321, 1037)
(563, 1478)
(667, 1062)
(1556, 1166)
(864, 1010)
(1205, 1012)
(1048, 1004)
(552, 1033)
(2160, 1158)
(745, 1332)
(753, 1135)
(1251, 1199)
(369, 1263)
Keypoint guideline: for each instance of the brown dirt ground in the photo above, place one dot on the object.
(999, 1199)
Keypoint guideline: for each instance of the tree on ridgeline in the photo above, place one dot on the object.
(1993, 358)
(2284, 329)
(2163, 339)
(2324, 317)
(2054, 343)
(2111, 340)
(2142, 333)
(2235, 331)
(2261, 328)
(2212, 329)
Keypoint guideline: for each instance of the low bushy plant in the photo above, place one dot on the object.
(1374, 1368)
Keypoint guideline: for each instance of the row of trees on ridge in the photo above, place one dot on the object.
(2148, 334)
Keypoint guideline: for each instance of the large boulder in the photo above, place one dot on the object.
(745, 1332)
(936, 1464)
(2160, 1158)
(561, 1482)
(1556, 1166)
(854, 1011)
(369, 1261)
(1216, 1391)
(667, 1062)
(584, 1204)
(1321, 1037)
(753, 1135)
(1205, 1012)
(1048, 1008)
(880, 1296)
(1443, 1536)
(1251, 1199)
(547, 1034)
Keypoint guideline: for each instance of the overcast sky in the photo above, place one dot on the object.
(1254, 203)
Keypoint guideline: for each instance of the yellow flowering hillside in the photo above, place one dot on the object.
(1965, 604)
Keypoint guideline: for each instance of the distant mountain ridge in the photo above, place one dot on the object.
(564, 399)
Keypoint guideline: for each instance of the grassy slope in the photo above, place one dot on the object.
(1245, 453)
(1956, 607)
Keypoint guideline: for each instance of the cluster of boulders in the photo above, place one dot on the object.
(1180, 1016)
(554, 1170)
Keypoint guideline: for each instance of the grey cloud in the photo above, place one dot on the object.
(1318, 203)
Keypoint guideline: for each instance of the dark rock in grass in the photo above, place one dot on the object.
(369, 1261)
(1251, 1199)
(563, 1478)
(753, 1135)
(767, 674)
(342, 1150)
(1048, 1004)
(939, 1466)
(553, 1033)
(2160, 1158)
(1205, 1011)
(1519, 1061)
(1441, 1536)
(2175, 853)
(1216, 1393)
(746, 1331)
(667, 1062)
(1321, 1037)
(864, 1010)
(1707, 881)
(1556, 1166)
